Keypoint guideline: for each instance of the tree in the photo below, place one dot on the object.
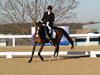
(31, 11)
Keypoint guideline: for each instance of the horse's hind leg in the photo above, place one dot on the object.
(39, 53)
(32, 53)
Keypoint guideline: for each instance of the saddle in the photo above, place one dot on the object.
(45, 32)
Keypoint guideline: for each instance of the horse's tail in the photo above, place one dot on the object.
(68, 37)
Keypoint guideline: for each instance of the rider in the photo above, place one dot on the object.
(48, 19)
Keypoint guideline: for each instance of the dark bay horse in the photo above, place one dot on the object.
(41, 39)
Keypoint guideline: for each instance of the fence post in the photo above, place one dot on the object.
(9, 55)
(92, 54)
(13, 41)
(87, 39)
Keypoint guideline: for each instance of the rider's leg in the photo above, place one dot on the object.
(52, 33)
(48, 34)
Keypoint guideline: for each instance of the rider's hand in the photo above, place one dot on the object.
(47, 23)
(41, 21)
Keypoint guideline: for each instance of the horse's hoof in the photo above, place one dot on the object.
(58, 57)
(72, 47)
(52, 57)
(29, 61)
(42, 60)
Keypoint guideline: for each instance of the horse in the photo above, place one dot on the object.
(42, 39)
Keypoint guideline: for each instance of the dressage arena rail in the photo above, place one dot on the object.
(13, 37)
(92, 54)
(13, 54)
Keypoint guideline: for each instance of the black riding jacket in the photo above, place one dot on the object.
(48, 18)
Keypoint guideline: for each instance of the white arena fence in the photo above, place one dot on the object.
(87, 36)
(14, 37)
(92, 54)
(15, 54)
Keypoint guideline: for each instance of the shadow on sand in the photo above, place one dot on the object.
(61, 58)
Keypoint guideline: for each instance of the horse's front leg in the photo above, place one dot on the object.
(56, 50)
(32, 53)
(39, 53)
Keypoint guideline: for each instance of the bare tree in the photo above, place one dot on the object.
(31, 11)
(22, 10)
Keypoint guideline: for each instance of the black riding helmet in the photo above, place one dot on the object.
(49, 7)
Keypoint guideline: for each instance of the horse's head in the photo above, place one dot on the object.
(39, 24)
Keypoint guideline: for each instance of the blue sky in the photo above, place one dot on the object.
(88, 10)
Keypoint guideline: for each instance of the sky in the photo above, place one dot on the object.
(88, 10)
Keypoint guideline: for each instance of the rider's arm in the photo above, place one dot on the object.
(44, 15)
(52, 18)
